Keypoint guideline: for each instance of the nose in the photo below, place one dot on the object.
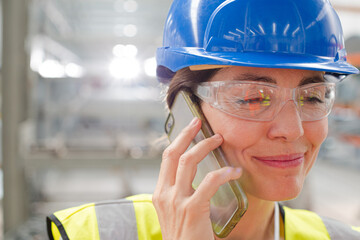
(287, 124)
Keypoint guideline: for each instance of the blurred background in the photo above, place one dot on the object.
(82, 111)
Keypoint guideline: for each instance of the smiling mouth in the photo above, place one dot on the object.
(282, 161)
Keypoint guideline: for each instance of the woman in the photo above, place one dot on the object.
(271, 157)
(287, 54)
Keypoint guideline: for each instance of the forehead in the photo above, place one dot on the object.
(278, 76)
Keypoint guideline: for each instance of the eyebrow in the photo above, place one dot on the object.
(253, 77)
(257, 78)
(313, 79)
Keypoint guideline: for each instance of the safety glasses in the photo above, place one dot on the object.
(260, 101)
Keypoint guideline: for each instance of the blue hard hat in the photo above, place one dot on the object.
(297, 34)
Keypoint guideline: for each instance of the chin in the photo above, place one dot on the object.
(278, 191)
(286, 196)
(279, 197)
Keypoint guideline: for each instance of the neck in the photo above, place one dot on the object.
(257, 222)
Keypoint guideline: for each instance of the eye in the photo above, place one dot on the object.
(316, 94)
(249, 101)
(263, 101)
(311, 98)
(254, 98)
(248, 97)
(314, 99)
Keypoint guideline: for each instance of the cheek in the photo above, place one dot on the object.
(315, 133)
(238, 134)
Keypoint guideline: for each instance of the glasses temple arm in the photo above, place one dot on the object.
(206, 93)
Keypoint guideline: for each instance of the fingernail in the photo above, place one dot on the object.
(217, 136)
(238, 170)
(194, 121)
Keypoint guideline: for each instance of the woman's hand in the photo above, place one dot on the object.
(184, 213)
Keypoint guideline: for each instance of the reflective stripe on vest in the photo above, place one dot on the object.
(116, 220)
(146, 217)
(339, 230)
(135, 218)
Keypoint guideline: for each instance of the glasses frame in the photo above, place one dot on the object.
(208, 92)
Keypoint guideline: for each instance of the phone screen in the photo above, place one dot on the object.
(229, 203)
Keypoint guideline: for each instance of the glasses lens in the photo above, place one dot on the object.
(248, 101)
(315, 101)
(261, 102)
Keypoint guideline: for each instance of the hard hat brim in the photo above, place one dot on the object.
(198, 57)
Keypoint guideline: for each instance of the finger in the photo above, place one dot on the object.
(214, 180)
(172, 153)
(188, 162)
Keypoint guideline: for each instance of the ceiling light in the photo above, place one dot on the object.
(130, 30)
(51, 69)
(130, 6)
(37, 57)
(124, 68)
(150, 67)
(121, 50)
(73, 70)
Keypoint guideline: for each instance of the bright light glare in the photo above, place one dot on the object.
(130, 30)
(73, 70)
(130, 6)
(125, 50)
(37, 57)
(150, 67)
(124, 68)
(51, 69)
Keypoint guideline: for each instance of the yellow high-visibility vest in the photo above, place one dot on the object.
(135, 218)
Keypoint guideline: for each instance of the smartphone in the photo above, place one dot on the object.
(229, 203)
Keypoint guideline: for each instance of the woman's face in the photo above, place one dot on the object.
(277, 155)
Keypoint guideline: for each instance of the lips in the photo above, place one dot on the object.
(282, 161)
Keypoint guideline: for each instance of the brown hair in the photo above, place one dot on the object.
(187, 80)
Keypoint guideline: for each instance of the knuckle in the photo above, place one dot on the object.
(173, 200)
(189, 207)
(155, 199)
(159, 199)
(156, 196)
(185, 159)
(169, 152)
(211, 178)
